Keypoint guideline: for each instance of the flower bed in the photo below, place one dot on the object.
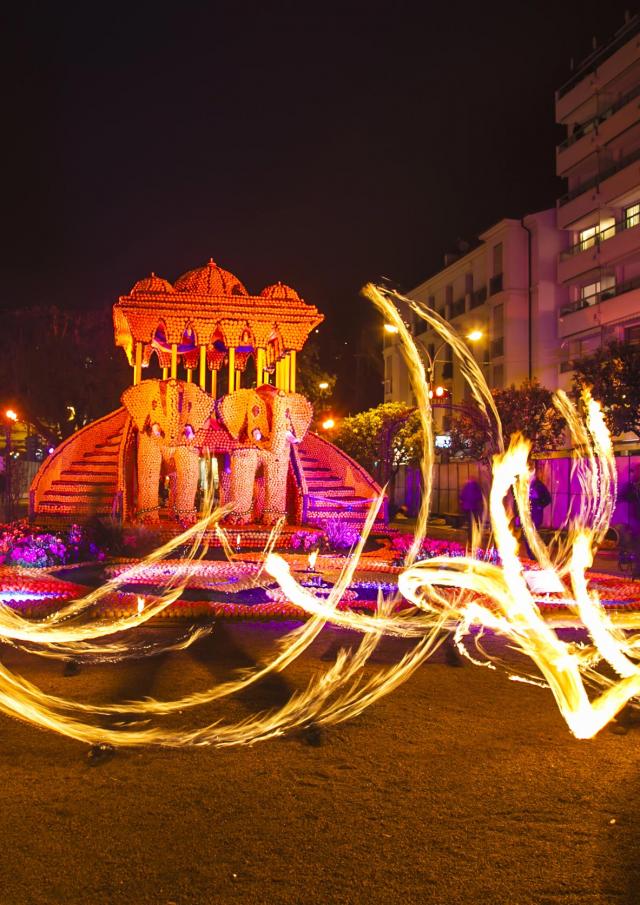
(22, 544)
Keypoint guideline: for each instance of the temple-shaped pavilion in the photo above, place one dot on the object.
(207, 323)
(206, 330)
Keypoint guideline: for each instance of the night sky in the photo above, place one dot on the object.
(321, 144)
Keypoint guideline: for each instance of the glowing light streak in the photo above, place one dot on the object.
(466, 595)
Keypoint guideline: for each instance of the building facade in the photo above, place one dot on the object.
(600, 211)
(502, 295)
(534, 295)
(559, 284)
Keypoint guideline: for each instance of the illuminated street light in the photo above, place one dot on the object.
(323, 385)
(11, 415)
(390, 328)
(475, 335)
(328, 424)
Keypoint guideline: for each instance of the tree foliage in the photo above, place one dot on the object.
(310, 374)
(61, 369)
(381, 439)
(527, 409)
(613, 373)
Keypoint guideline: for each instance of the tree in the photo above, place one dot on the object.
(527, 409)
(381, 439)
(311, 378)
(613, 374)
(61, 369)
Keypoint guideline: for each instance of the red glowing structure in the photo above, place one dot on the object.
(226, 386)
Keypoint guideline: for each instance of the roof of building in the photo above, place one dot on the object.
(152, 283)
(216, 307)
(210, 280)
(281, 292)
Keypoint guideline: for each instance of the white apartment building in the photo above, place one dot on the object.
(558, 284)
(600, 160)
(503, 290)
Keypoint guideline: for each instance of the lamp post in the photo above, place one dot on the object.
(10, 418)
(473, 336)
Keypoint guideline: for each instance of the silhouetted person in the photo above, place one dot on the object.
(631, 494)
(539, 499)
(472, 505)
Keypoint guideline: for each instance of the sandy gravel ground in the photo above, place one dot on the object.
(461, 787)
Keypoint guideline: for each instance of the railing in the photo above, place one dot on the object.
(497, 347)
(602, 296)
(495, 284)
(599, 178)
(479, 297)
(457, 308)
(591, 124)
(602, 236)
(599, 56)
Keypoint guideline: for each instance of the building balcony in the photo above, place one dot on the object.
(606, 307)
(597, 71)
(479, 297)
(606, 248)
(495, 284)
(597, 132)
(457, 308)
(600, 191)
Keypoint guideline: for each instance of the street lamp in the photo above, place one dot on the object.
(391, 328)
(10, 418)
(328, 423)
(473, 336)
(431, 360)
(323, 385)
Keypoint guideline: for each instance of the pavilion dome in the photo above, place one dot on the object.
(210, 280)
(280, 292)
(152, 283)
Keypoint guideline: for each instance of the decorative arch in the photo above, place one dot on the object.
(275, 348)
(189, 342)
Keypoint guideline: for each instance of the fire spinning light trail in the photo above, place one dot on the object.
(442, 594)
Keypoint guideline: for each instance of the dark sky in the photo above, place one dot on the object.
(321, 144)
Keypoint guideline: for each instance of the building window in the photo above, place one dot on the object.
(388, 371)
(498, 377)
(497, 259)
(607, 286)
(468, 283)
(587, 237)
(589, 293)
(447, 366)
(632, 334)
(632, 215)
(498, 320)
(607, 228)
(448, 294)
(457, 308)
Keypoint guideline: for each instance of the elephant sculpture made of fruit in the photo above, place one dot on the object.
(264, 422)
(168, 415)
